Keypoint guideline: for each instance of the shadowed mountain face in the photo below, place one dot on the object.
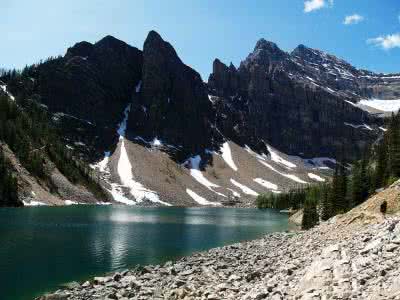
(89, 88)
(172, 104)
(295, 101)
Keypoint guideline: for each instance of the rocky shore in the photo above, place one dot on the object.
(340, 259)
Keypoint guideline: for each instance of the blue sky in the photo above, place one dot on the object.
(201, 30)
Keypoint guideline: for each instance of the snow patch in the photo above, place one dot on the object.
(200, 200)
(227, 156)
(194, 165)
(124, 168)
(102, 165)
(34, 203)
(70, 202)
(4, 88)
(156, 142)
(137, 190)
(290, 176)
(58, 115)
(244, 188)
(351, 103)
(258, 156)
(119, 196)
(363, 126)
(234, 193)
(383, 129)
(316, 177)
(276, 192)
(276, 158)
(138, 87)
(384, 105)
(265, 183)
(197, 174)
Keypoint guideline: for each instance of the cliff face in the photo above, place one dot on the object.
(302, 110)
(172, 103)
(301, 102)
(88, 89)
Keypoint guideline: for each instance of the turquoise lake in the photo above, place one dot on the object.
(43, 247)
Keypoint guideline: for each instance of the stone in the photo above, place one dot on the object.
(391, 247)
(327, 262)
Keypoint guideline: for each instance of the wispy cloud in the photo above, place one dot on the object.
(311, 5)
(353, 19)
(387, 42)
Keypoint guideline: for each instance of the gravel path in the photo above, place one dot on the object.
(332, 261)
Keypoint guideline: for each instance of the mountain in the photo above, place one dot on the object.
(172, 103)
(156, 134)
(303, 103)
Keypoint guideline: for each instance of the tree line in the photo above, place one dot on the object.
(8, 183)
(26, 128)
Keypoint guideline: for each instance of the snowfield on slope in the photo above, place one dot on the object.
(137, 190)
(244, 188)
(290, 176)
(227, 156)
(200, 200)
(278, 159)
(267, 184)
(195, 172)
(384, 105)
(124, 168)
(316, 177)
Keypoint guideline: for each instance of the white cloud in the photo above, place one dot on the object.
(311, 5)
(353, 19)
(387, 42)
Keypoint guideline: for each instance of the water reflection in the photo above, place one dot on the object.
(74, 243)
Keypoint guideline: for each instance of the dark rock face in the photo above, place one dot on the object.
(276, 97)
(172, 104)
(296, 101)
(224, 80)
(93, 83)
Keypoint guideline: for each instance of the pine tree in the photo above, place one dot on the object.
(8, 184)
(394, 146)
(380, 176)
(342, 204)
(326, 206)
(310, 214)
(338, 192)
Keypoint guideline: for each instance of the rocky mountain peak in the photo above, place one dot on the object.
(83, 49)
(223, 80)
(154, 45)
(110, 41)
(265, 54)
(263, 44)
(310, 54)
(172, 105)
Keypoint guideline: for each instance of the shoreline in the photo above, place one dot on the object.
(333, 259)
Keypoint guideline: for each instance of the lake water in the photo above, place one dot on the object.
(43, 247)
